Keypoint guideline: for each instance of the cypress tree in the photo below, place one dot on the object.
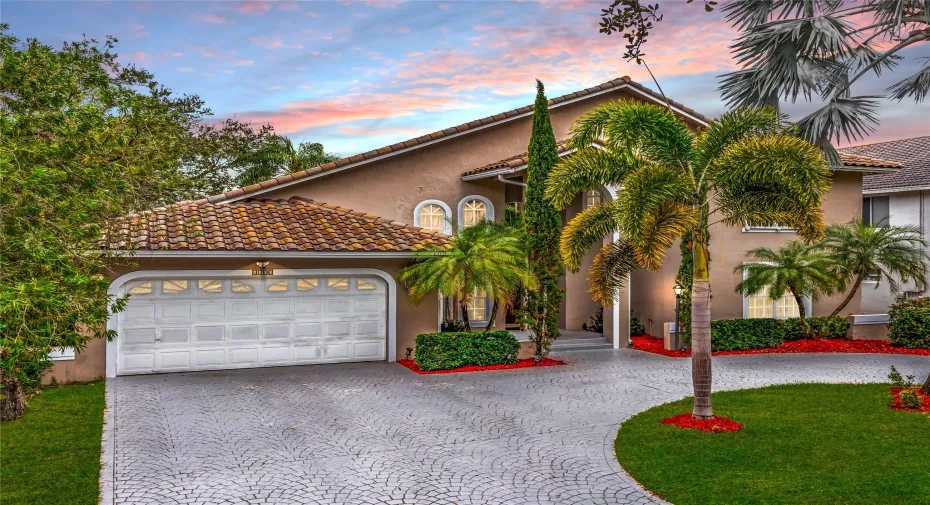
(543, 226)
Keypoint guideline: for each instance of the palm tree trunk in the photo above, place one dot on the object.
(701, 376)
(13, 401)
(802, 312)
(849, 297)
(925, 389)
(492, 318)
(464, 307)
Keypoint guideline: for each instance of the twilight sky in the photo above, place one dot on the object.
(360, 75)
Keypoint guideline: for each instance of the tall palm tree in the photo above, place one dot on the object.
(795, 268)
(746, 168)
(890, 252)
(487, 256)
(278, 156)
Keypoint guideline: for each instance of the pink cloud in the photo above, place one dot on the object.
(272, 43)
(402, 29)
(313, 14)
(253, 7)
(444, 7)
(288, 6)
(185, 69)
(177, 55)
(214, 19)
(243, 63)
(374, 131)
(382, 4)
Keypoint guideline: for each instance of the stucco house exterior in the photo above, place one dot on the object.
(898, 198)
(329, 241)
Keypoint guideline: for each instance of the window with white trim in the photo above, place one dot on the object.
(473, 212)
(761, 305)
(478, 308)
(592, 197)
(432, 218)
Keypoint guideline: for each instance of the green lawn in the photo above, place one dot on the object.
(52, 454)
(807, 443)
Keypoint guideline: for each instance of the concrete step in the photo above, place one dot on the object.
(559, 342)
(570, 348)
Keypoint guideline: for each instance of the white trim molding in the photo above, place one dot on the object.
(489, 208)
(903, 189)
(624, 86)
(447, 225)
(808, 302)
(119, 282)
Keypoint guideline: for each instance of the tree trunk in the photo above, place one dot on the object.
(13, 401)
(925, 389)
(701, 376)
(849, 297)
(492, 318)
(464, 307)
(802, 314)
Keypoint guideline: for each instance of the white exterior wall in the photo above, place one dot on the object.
(904, 209)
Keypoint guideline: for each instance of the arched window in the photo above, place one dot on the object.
(432, 218)
(473, 212)
(433, 215)
(592, 197)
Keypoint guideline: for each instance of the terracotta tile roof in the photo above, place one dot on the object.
(912, 155)
(850, 160)
(296, 224)
(375, 153)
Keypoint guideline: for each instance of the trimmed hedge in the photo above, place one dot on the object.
(444, 351)
(745, 334)
(909, 323)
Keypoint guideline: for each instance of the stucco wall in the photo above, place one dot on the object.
(411, 320)
(654, 300)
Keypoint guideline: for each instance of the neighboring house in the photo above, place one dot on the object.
(895, 199)
(198, 299)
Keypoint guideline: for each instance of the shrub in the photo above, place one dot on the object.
(899, 381)
(742, 334)
(909, 399)
(452, 325)
(636, 327)
(597, 322)
(820, 327)
(443, 351)
(909, 323)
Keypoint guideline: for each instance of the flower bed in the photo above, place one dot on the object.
(896, 401)
(714, 425)
(523, 363)
(652, 344)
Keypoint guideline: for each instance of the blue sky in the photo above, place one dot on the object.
(360, 75)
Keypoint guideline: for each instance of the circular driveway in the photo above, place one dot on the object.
(379, 433)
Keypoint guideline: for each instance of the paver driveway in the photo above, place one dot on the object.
(378, 433)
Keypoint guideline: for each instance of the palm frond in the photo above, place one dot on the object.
(610, 271)
(850, 117)
(587, 168)
(777, 179)
(735, 125)
(587, 228)
(916, 86)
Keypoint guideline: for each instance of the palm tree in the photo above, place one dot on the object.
(487, 256)
(890, 252)
(277, 156)
(795, 268)
(746, 168)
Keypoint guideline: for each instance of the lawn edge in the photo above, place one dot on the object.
(108, 445)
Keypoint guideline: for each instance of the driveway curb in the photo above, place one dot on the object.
(108, 445)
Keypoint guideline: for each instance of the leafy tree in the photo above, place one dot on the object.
(543, 224)
(796, 268)
(84, 140)
(486, 256)
(277, 156)
(890, 252)
(746, 168)
(222, 154)
(813, 48)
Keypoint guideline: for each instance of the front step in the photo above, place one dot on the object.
(580, 344)
(567, 348)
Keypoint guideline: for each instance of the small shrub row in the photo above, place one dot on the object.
(909, 323)
(745, 334)
(444, 351)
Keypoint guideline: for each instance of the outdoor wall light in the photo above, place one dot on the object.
(679, 289)
(409, 350)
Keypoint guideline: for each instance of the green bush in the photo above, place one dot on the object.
(909, 323)
(909, 399)
(636, 327)
(821, 327)
(443, 351)
(742, 334)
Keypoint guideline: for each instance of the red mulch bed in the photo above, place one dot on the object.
(896, 401)
(523, 363)
(713, 425)
(652, 344)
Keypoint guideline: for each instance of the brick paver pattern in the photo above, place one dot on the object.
(378, 433)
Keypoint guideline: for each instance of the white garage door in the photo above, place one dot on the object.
(203, 323)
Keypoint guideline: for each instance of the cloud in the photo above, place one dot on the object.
(402, 29)
(272, 43)
(214, 19)
(185, 69)
(138, 56)
(443, 6)
(313, 14)
(244, 63)
(376, 131)
(138, 31)
(177, 54)
(253, 7)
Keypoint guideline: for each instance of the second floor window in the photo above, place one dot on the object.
(592, 197)
(875, 210)
(433, 218)
(473, 212)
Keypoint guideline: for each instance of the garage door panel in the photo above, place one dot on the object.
(202, 324)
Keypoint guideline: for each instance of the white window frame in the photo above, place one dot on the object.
(487, 310)
(590, 193)
(768, 229)
(446, 227)
(871, 198)
(63, 354)
(489, 208)
(808, 305)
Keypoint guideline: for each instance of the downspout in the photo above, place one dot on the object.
(500, 177)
